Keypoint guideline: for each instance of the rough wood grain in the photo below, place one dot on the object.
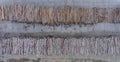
(60, 46)
(59, 15)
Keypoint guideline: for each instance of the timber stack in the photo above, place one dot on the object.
(59, 31)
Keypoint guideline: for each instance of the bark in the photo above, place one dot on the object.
(59, 15)
(60, 46)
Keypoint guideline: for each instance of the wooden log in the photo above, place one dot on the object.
(59, 15)
(60, 46)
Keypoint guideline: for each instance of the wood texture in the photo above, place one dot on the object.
(60, 46)
(59, 15)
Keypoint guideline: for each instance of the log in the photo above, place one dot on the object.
(98, 46)
(59, 15)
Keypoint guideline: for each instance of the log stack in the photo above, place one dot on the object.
(59, 31)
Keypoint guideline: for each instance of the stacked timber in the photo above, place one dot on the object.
(59, 31)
